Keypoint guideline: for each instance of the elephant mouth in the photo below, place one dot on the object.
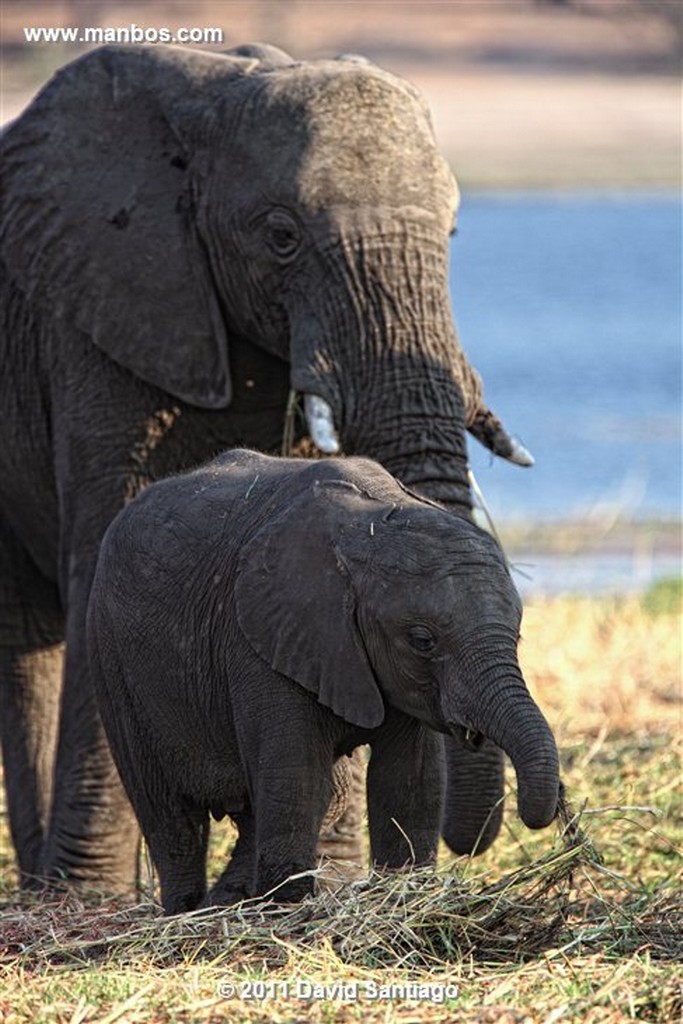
(470, 738)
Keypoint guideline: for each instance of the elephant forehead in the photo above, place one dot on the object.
(420, 543)
(358, 136)
(435, 564)
(446, 601)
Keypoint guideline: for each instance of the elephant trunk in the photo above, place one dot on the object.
(410, 420)
(380, 350)
(381, 366)
(484, 426)
(498, 705)
(415, 429)
(531, 746)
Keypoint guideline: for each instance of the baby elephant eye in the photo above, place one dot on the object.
(421, 639)
(283, 234)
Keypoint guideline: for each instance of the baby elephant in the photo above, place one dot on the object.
(254, 621)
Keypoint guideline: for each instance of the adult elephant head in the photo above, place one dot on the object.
(177, 227)
(193, 199)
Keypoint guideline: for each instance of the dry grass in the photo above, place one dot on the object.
(581, 925)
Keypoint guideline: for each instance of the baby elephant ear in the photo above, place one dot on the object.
(296, 606)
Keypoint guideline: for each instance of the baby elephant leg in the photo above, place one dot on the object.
(340, 851)
(290, 807)
(286, 856)
(237, 881)
(178, 840)
(175, 830)
(405, 793)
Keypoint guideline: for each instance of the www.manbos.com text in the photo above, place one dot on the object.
(126, 34)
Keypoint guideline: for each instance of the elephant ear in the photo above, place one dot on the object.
(98, 227)
(296, 606)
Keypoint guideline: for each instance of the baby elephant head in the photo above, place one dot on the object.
(368, 596)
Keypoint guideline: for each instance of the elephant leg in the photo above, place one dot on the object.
(178, 838)
(339, 841)
(31, 657)
(473, 809)
(285, 850)
(93, 836)
(237, 881)
(176, 831)
(340, 846)
(405, 793)
(290, 807)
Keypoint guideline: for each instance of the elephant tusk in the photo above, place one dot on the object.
(321, 424)
(490, 432)
(520, 455)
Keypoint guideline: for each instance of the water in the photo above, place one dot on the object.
(599, 573)
(570, 308)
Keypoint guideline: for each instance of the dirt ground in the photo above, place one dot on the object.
(524, 93)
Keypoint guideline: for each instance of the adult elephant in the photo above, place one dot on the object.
(186, 237)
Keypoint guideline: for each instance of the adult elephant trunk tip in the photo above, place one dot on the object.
(490, 432)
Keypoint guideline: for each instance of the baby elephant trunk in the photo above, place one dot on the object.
(531, 746)
(500, 708)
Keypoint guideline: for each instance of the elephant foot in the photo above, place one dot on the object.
(224, 896)
(33, 883)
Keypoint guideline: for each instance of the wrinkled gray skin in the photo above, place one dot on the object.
(252, 622)
(185, 237)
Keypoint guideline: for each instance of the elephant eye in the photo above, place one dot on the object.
(421, 639)
(283, 234)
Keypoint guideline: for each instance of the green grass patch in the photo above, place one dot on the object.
(665, 597)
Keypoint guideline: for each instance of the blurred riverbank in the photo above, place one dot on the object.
(522, 93)
(590, 557)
